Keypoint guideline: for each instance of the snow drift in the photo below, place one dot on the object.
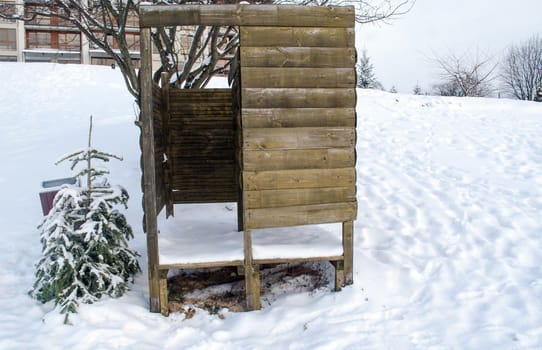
(448, 239)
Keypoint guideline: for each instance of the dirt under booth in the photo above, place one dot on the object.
(280, 143)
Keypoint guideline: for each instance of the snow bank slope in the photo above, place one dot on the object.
(448, 240)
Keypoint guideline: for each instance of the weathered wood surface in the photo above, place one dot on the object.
(348, 251)
(296, 197)
(339, 274)
(196, 265)
(166, 136)
(158, 114)
(257, 77)
(298, 98)
(298, 117)
(300, 215)
(246, 15)
(202, 146)
(298, 125)
(290, 36)
(252, 274)
(185, 197)
(164, 308)
(304, 178)
(298, 138)
(300, 57)
(148, 170)
(297, 260)
(299, 159)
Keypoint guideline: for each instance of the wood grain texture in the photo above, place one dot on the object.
(264, 77)
(304, 178)
(298, 117)
(298, 159)
(348, 252)
(290, 36)
(246, 15)
(300, 215)
(298, 98)
(301, 57)
(298, 138)
(148, 170)
(296, 197)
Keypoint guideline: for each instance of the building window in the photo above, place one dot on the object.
(38, 40)
(8, 39)
(69, 41)
(102, 61)
(30, 12)
(8, 59)
(132, 20)
(132, 41)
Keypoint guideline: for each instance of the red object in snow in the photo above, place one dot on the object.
(47, 199)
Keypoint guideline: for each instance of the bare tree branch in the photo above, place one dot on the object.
(465, 75)
(104, 23)
(521, 70)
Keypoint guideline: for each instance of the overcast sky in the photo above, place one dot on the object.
(401, 52)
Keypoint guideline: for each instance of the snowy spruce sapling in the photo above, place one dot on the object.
(84, 238)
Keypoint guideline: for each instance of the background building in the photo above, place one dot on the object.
(52, 39)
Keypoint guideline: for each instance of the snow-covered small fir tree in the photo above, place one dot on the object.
(365, 73)
(84, 238)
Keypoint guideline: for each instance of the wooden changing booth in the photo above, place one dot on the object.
(280, 142)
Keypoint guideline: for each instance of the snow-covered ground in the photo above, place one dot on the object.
(448, 239)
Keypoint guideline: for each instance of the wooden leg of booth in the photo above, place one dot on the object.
(348, 251)
(256, 304)
(339, 274)
(252, 274)
(240, 212)
(164, 309)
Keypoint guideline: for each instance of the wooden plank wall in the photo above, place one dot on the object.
(159, 147)
(202, 146)
(298, 125)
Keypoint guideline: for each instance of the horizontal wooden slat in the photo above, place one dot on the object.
(305, 178)
(298, 98)
(195, 265)
(194, 112)
(188, 165)
(298, 159)
(298, 138)
(290, 36)
(315, 57)
(182, 153)
(298, 117)
(300, 215)
(331, 258)
(246, 15)
(198, 197)
(199, 93)
(263, 77)
(298, 196)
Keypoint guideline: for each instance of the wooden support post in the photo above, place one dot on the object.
(256, 287)
(148, 167)
(164, 309)
(166, 134)
(339, 274)
(348, 251)
(252, 275)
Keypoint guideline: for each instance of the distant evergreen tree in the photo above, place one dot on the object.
(393, 90)
(538, 97)
(84, 240)
(417, 89)
(365, 71)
